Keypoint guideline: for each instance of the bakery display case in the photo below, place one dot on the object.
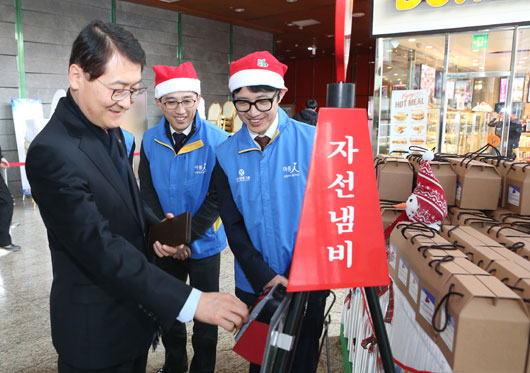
(433, 127)
(523, 151)
(466, 131)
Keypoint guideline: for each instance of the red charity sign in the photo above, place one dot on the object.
(340, 240)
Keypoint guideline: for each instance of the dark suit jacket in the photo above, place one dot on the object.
(105, 291)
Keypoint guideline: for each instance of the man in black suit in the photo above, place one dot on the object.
(106, 298)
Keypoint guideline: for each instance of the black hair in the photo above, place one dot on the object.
(257, 89)
(311, 104)
(96, 44)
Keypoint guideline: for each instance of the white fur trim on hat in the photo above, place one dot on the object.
(178, 85)
(246, 78)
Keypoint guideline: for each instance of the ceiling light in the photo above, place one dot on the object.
(457, 56)
(296, 45)
(358, 44)
(475, 50)
(278, 41)
(306, 22)
(291, 1)
(412, 40)
(330, 35)
(396, 74)
(239, 10)
(310, 48)
(290, 24)
(475, 64)
(481, 67)
(475, 60)
(169, 1)
(428, 46)
(357, 15)
(389, 67)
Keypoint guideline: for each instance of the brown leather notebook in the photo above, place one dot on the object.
(172, 232)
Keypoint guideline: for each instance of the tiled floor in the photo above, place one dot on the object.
(25, 280)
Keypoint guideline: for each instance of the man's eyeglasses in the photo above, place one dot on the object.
(122, 94)
(263, 104)
(173, 104)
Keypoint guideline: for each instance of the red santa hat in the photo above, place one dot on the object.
(258, 68)
(432, 204)
(169, 79)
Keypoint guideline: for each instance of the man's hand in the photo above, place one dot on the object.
(278, 279)
(181, 252)
(221, 309)
(168, 216)
(4, 163)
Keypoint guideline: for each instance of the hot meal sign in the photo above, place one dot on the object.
(408, 119)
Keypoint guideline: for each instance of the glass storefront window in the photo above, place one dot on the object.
(478, 66)
(517, 132)
(406, 64)
(480, 51)
(476, 85)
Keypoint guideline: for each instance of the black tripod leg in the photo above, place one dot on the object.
(380, 331)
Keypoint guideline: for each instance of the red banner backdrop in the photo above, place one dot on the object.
(340, 240)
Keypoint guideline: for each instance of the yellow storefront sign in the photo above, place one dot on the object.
(409, 4)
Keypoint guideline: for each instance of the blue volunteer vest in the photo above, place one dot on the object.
(268, 189)
(181, 180)
(129, 141)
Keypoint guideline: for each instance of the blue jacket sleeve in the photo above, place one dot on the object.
(256, 269)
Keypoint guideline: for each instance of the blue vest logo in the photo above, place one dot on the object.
(290, 170)
(200, 169)
(242, 176)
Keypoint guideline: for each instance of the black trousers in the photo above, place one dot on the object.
(306, 354)
(204, 276)
(136, 365)
(6, 213)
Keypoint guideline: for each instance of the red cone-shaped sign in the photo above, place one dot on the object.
(340, 240)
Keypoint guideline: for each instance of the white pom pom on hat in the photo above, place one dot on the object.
(428, 155)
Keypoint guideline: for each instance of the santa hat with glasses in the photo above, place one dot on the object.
(169, 79)
(258, 68)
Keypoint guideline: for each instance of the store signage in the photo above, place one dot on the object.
(480, 41)
(29, 120)
(410, 4)
(408, 119)
(340, 240)
(393, 17)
